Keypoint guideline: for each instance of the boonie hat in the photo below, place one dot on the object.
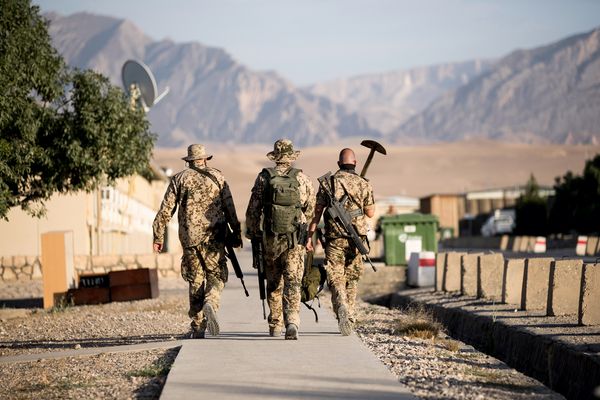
(196, 152)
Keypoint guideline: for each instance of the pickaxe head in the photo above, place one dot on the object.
(373, 145)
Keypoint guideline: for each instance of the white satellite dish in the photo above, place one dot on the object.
(137, 76)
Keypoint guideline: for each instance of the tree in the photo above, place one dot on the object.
(576, 206)
(61, 130)
(531, 211)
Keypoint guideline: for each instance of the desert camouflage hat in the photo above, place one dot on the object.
(283, 150)
(196, 152)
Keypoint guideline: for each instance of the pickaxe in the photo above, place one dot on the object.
(374, 146)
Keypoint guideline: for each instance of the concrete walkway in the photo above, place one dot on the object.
(244, 362)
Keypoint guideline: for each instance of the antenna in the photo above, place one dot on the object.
(140, 84)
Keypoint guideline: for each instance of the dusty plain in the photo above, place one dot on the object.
(414, 171)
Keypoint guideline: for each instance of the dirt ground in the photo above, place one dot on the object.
(413, 171)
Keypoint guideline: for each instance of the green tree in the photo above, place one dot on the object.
(531, 211)
(576, 206)
(61, 130)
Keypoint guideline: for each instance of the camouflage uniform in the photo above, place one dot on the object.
(204, 206)
(284, 261)
(343, 260)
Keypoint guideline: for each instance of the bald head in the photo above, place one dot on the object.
(347, 157)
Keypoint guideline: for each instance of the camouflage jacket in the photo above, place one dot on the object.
(254, 213)
(360, 197)
(203, 206)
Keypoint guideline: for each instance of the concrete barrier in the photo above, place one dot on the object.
(504, 242)
(581, 246)
(516, 244)
(535, 282)
(512, 291)
(469, 274)
(452, 272)
(540, 245)
(564, 287)
(491, 273)
(592, 244)
(589, 307)
(524, 244)
(440, 267)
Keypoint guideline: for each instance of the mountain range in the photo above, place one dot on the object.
(546, 94)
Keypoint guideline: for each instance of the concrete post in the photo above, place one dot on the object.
(491, 276)
(514, 270)
(589, 306)
(440, 267)
(564, 288)
(535, 282)
(453, 273)
(592, 244)
(470, 275)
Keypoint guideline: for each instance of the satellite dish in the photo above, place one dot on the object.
(140, 84)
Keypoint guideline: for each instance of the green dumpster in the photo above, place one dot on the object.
(407, 233)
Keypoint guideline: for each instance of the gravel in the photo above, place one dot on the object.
(438, 368)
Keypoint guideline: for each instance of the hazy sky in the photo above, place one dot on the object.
(308, 41)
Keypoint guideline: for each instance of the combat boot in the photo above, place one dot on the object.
(197, 334)
(343, 321)
(274, 331)
(211, 319)
(291, 332)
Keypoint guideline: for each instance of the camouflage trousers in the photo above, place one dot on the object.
(284, 281)
(344, 268)
(204, 267)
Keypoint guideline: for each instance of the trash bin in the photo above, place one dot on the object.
(408, 233)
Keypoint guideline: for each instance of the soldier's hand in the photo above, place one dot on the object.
(309, 245)
(158, 247)
(236, 240)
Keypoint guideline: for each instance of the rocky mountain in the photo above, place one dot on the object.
(546, 94)
(213, 97)
(387, 100)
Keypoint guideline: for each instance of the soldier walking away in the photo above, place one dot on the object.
(280, 207)
(343, 259)
(205, 207)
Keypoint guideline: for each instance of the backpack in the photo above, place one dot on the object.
(281, 201)
(313, 282)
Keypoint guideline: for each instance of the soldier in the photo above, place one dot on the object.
(205, 206)
(281, 204)
(343, 260)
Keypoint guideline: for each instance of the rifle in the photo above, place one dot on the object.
(340, 215)
(258, 263)
(229, 253)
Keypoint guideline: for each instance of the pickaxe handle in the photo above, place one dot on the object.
(366, 166)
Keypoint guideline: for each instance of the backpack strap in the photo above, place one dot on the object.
(207, 174)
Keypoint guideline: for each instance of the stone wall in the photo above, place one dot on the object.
(25, 268)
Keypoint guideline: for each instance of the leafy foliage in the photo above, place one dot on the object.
(531, 211)
(61, 130)
(576, 206)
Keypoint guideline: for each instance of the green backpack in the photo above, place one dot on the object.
(281, 201)
(313, 282)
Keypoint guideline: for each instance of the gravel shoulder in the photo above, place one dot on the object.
(440, 367)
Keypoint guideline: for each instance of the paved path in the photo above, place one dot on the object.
(244, 362)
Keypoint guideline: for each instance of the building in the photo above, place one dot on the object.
(451, 208)
(111, 220)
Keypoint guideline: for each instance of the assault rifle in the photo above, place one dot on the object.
(340, 215)
(258, 263)
(229, 253)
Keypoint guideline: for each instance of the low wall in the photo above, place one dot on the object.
(559, 359)
(25, 268)
(566, 287)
